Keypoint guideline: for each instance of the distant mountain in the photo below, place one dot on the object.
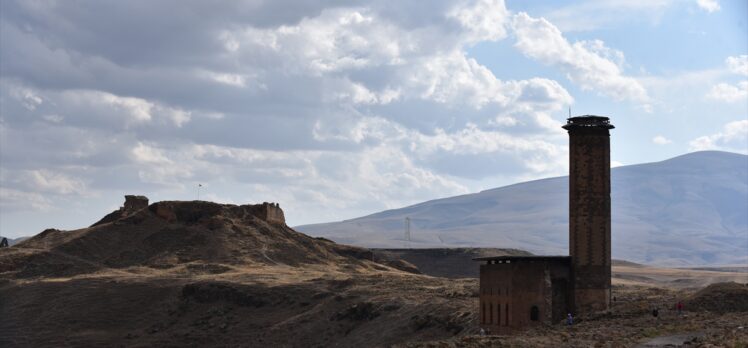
(688, 210)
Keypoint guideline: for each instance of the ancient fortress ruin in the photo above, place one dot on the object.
(520, 291)
(193, 211)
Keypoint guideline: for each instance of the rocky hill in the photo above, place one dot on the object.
(201, 274)
(689, 210)
(205, 274)
(173, 234)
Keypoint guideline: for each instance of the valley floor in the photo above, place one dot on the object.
(356, 304)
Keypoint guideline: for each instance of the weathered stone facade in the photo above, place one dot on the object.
(589, 211)
(522, 291)
(132, 204)
(518, 292)
(271, 212)
(135, 203)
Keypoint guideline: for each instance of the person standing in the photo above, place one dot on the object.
(679, 307)
(569, 319)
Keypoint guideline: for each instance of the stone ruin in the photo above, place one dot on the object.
(271, 212)
(202, 211)
(191, 211)
(521, 291)
(134, 203)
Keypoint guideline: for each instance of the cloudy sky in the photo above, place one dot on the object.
(338, 109)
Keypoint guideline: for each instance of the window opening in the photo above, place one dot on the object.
(490, 313)
(534, 313)
(506, 313)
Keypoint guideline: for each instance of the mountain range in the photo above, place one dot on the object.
(687, 210)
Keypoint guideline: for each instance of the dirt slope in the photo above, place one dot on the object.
(200, 274)
(721, 298)
(171, 234)
(179, 274)
(445, 262)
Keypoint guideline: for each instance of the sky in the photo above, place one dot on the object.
(338, 109)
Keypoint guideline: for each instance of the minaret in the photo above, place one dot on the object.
(589, 211)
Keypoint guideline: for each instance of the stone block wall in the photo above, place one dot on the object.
(135, 203)
(520, 293)
(589, 211)
(271, 212)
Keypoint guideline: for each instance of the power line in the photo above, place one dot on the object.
(407, 232)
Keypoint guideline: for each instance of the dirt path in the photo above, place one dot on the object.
(678, 340)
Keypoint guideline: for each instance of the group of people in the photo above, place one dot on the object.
(678, 307)
(655, 313)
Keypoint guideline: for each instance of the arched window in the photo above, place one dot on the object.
(498, 314)
(534, 313)
(490, 313)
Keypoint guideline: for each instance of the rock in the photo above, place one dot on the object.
(363, 311)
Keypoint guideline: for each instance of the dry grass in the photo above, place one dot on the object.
(228, 279)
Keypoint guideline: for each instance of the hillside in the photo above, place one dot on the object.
(205, 274)
(688, 210)
(187, 274)
(445, 262)
(171, 234)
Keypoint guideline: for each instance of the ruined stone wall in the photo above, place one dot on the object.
(273, 213)
(589, 216)
(135, 203)
(508, 292)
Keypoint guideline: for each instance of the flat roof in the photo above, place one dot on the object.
(522, 258)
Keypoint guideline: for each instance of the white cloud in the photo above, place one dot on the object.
(708, 5)
(53, 118)
(179, 117)
(535, 156)
(484, 19)
(661, 140)
(473, 140)
(585, 63)
(28, 98)
(138, 109)
(596, 14)
(229, 79)
(57, 183)
(729, 93)
(15, 200)
(738, 64)
(381, 176)
(148, 154)
(332, 110)
(733, 137)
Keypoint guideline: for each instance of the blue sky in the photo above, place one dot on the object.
(338, 110)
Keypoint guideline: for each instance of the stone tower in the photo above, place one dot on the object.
(589, 211)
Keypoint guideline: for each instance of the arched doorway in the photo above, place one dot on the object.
(534, 313)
